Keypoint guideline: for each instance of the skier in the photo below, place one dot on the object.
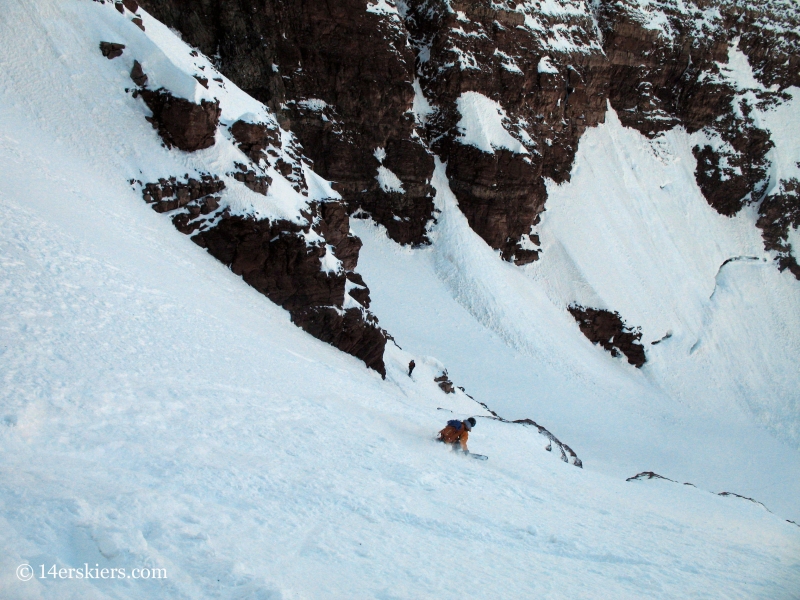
(456, 433)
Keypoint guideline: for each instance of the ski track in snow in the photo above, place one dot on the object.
(156, 411)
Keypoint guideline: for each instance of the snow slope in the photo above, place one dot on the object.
(670, 264)
(481, 124)
(158, 412)
(716, 404)
(505, 335)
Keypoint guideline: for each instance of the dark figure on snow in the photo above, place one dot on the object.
(456, 433)
(411, 366)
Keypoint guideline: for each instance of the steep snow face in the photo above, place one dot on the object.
(421, 108)
(783, 123)
(738, 69)
(157, 412)
(635, 233)
(249, 196)
(505, 334)
(631, 232)
(100, 83)
(481, 124)
(388, 181)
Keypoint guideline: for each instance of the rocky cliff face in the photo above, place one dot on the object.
(340, 77)
(305, 263)
(306, 267)
(502, 92)
(274, 258)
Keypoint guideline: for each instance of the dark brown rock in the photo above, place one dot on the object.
(171, 194)
(131, 5)
(734, 495)
(120, 7)
(347, 330)
(334, 226)
(254, 138)
(644, 475)
(209, 205)
(358, 63)
(777, 214)
(181, 123)
(258, 183)
(184, 223)
(138, 22)
(360, 295)
(111, 49)
(359, 292)
(608, 329)
(137, 74)
(502, 192)
(525, 256)
(499, 213)
(655, 84)
(284, 167)
(274, 258)
(445, 384)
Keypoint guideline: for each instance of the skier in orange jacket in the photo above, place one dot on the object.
(456, 433)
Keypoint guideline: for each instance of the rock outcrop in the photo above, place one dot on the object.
(778, 214)
(170, 194)
(137, 74)
(566, 451)
(254, 138)
(445, 384)
(340, 77)
(487, 48)
(111, 50)
(274, 257)
(258, 183)
(180, 123)
(607, 329)
(645, 475)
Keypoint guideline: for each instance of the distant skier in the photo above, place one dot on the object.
(411, 366)
(456, 433)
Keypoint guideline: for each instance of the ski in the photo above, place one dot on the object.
(479, 456)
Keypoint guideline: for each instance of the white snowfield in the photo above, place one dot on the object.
(158, 413)
(481, 124)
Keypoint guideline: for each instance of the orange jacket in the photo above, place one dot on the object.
(451, 435)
